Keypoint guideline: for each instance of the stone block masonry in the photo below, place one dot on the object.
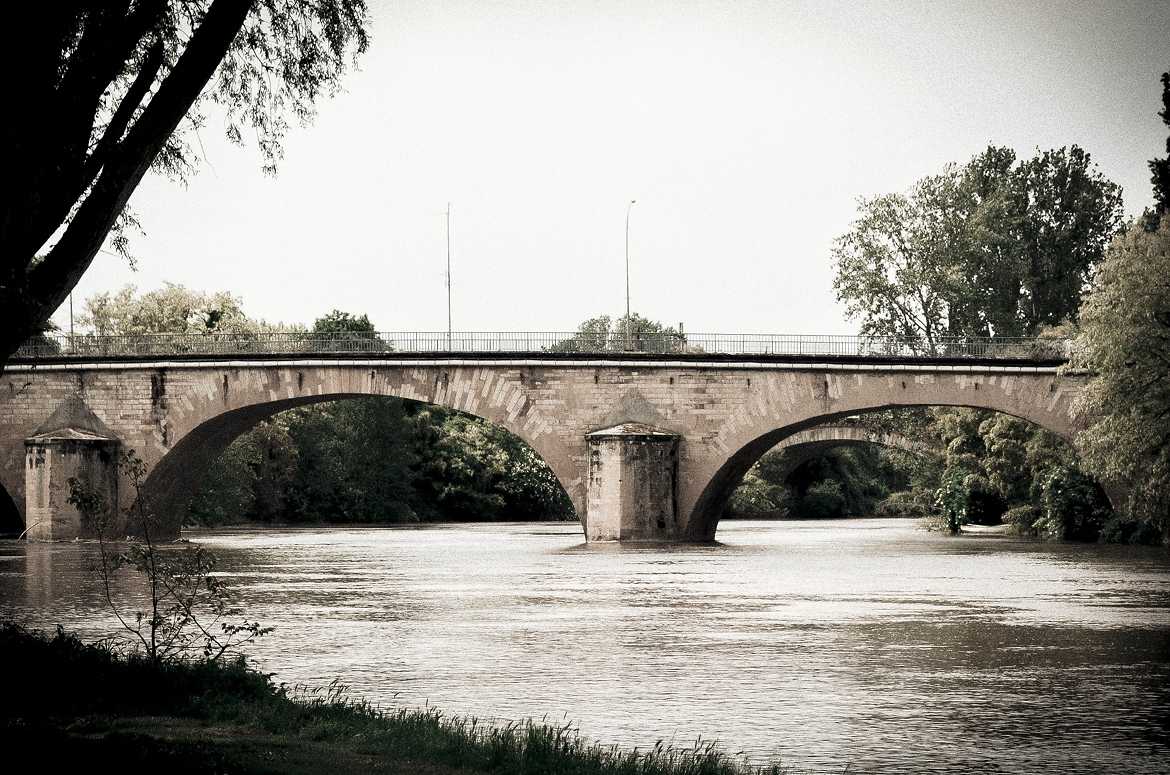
(179, 415)
(632, 490)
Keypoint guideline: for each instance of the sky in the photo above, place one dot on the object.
(744, 131)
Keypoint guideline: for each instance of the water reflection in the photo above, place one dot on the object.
(863, 642)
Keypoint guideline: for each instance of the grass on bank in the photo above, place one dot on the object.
(78, 704)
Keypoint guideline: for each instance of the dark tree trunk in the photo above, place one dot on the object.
(53, 166)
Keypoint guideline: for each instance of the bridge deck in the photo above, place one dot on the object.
(526, 359)
(691, 349)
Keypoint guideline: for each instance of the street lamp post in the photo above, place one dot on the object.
(628, 207)
(448, 276)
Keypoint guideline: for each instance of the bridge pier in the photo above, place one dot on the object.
(632, 492)
(72, 444)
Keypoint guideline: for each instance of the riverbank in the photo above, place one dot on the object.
(78, 704)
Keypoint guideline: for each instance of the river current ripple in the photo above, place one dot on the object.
(866, 643)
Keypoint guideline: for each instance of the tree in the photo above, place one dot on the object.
(997, 247)
(109, 89)
(997, 467)
(627, 333)
(831, 483)
(355, 462)
(470, 469)
(342, 322)
(1065, 215)
(1127, 335)
(190, 609)
(756, 496)
(1160, 168)
(342, 332)
(228, 494)
(170, 309)
(893, 270)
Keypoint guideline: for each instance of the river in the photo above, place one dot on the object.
(867, 643)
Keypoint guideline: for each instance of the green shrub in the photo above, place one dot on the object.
(903, 504)
(823, 499)
(1122, 530)
(951, 500)
(1072, 505)
(1021, 520)
(756, 497)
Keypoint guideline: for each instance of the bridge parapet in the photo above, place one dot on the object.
(551, 345)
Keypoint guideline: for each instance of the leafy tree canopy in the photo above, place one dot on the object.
(996, 247)
(1127, 334)
(106, 90)
(342, 322)
(378, 460)
(1160, 168)
(170, 309)
(632, 332)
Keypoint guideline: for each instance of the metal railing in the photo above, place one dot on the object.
(65, 346)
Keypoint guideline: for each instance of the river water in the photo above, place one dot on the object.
(867, 643)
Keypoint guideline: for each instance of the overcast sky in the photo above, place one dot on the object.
(745, 131)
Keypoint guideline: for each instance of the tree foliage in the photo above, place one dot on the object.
(990, 467)
(998, 468)
(110, 89)
(1160, 168)
(341, 331)
(891, 272)
(337, 322)
(837, 482)
(996, 247)
(1127, 335)
(354, 463)
(170, 309)
(623, 334)
(375, 460)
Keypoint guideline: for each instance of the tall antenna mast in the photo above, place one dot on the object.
(448, 275)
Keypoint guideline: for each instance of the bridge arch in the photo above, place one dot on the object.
(198, 431)
(1045, 400)
(850, 434)
(803, 446)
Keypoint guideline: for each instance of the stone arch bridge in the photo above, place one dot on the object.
(647, 446)
(805, 445)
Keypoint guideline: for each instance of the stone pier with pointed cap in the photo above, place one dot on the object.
(632, 492)
(72, 444)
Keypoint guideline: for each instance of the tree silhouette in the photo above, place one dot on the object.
(101, 91)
